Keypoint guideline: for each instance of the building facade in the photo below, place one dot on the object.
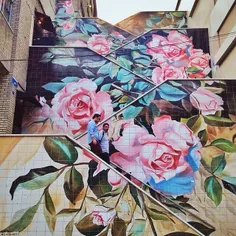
(219, 17)
(17, 18)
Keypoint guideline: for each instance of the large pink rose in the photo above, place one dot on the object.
(167, 159)
(103, 216)
(160, 75)
(200, 61)
(77, 102)
(174, 133)
(206, 101)
(100, 44)
(171, 50)
(68, 6)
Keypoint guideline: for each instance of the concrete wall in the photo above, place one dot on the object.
(220, 19)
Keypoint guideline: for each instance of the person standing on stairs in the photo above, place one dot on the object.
(93, 135)
(104, 142)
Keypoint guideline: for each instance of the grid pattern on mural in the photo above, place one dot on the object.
(183, 145)
(50, 185)
(74, 83)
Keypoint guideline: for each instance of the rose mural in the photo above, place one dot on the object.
(181, 145)
(164, 159)
(98, 35)
(73, 85)
(165, 54)
(72, 195)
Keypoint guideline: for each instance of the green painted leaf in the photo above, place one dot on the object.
(118, 227)
(213, 189)
(124, 62)
(60, 150)
(157, 215)
(69, 228)
(112, 193)
(193, 69)
(218, 121)
(105, 69)
(54, 87)
(67, 211)
(124, 99)
(99, 183)
(202, 228)
(218, 164)
(93, 64)
(47, 57)
(106, 87)
(138, 228)
(70, 79)
(49, 211)
(224, 144)
(114, 70)
(178, 14)
(87, 227)
(73, 184)
(22, 219)
(35, 179)
(137, 198)
(65, 61)
(131, 112)
(171, 93)
(88, 73)
(231, 180)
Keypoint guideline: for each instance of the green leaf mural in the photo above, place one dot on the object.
(49, 211)
(87, 227)
(224, 145)
(22, 219)
(218, 164)
(218, 121)
(73, 184)
(60, 150)
(138, 228)
(35, 179)
(213, 189)
(119, 227)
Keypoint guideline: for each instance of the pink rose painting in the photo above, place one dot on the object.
(100, 44)
(206, 101)
(72, 108)
(167, 159)
(176, 57)
(103, 216)
(77, 102)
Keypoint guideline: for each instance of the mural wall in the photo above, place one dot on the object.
(183, 145)
(71, 84)
(162, 54)
(94, 33)
(50, 186)
(145, 21)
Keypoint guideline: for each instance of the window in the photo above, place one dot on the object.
(6, 8)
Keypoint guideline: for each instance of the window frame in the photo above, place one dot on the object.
(6, 12)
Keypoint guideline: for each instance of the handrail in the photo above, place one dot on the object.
(111, 168)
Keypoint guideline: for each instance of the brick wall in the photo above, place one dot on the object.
(17, 40)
